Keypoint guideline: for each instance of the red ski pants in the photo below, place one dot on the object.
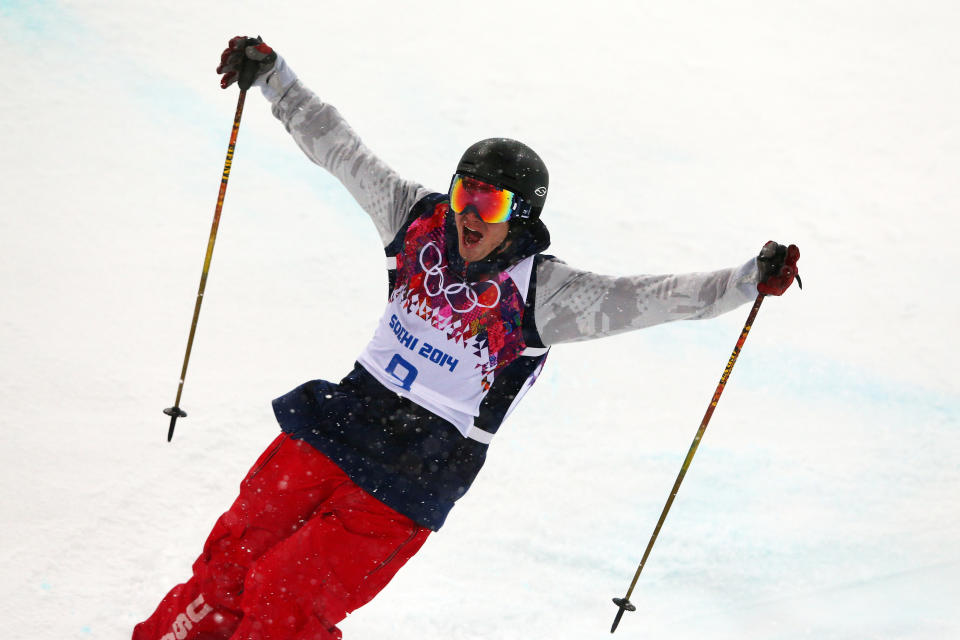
(300, 548)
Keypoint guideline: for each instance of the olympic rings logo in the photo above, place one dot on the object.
(433, 275)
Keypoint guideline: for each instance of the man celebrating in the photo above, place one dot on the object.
(365, 469)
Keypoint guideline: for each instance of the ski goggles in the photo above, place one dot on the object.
(490, 202)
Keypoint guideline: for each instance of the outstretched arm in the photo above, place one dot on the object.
(322, 133)
(575, 305)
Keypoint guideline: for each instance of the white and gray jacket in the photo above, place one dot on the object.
(571, 304)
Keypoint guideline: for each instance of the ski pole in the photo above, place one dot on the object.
(247, 75)
(624, 603)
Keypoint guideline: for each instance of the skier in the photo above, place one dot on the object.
(365, 469)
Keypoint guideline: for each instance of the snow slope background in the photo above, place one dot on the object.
(680, 136)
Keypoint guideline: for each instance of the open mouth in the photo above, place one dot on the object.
(470, 236)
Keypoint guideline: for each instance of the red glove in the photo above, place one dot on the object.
(778, 268)
(245, 59)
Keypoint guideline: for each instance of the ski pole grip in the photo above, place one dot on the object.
(248, 71)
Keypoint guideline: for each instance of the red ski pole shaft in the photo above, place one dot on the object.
(624, 603)
(175, 411)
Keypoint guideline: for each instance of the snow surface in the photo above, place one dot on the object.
(680, 136)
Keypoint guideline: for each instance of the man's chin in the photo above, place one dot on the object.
(470, 253)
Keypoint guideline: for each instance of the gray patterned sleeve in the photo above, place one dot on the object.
(323, 134)
(573, 305)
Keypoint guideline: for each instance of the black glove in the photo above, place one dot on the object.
(778, 268)
(245, 59)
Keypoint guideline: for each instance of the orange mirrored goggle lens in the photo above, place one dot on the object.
(491, 203)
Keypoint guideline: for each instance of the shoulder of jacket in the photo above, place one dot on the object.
(422, 208)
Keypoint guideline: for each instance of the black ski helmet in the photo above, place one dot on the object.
(508, 164)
